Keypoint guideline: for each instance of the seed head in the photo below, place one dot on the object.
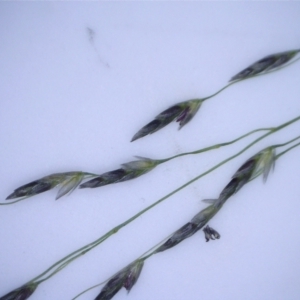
(128, 171)
(126, 278)
(182, 112)
(260, 163)
(265, 161)
(21, 293)
(187, 230)
(133, 275)
(181, 234)
(266, 64)
(67, 181)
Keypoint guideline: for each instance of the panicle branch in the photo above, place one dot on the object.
(69, 181)
(183, 112)
(195, 224)
(259, 164)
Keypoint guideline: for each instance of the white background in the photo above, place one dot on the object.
(72, 101)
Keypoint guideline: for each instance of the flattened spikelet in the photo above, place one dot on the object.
(182, 112)
(67, 181)
(266, 64)
(128, 171)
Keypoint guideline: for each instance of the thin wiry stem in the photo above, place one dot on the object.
(217, 146)
(289, 142)
(8, 203)
(287, 150)
(153, 250)
(62, 263)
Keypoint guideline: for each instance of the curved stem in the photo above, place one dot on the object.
(217, 146)
(287, 150)
(9, 203)
(221, 90)
(284, 144)
(75, 254)
(90, 288)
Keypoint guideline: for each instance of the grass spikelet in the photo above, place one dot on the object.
(181, 112)
(266, 64)
(126, 278)
(21, 293)
(66, 181)
(128, 171)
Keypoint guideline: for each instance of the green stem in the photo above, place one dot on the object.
(221, 90)
(287, 150)
(9, 203)
(90, 288)
(202, 100)
(284, 144)
(217, 146)
(66, 260)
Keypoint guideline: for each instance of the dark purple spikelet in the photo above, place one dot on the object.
(133, 275)
(112, 287)
(170, 113)
(21, 293)
(67, 182)
(183, 115)
(105, 179)
(128, 171)
(181, 234)
(266, 64)
(30, 189)
(126, 278)
(182, 112)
